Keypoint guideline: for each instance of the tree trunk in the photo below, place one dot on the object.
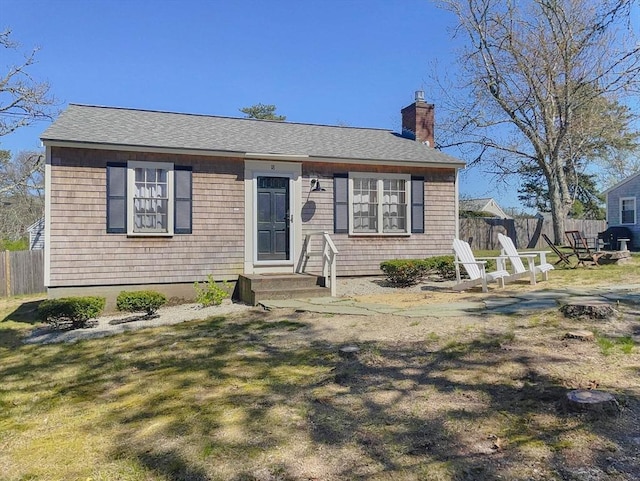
(559, 210)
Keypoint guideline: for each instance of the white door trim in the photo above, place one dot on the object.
(252, 170)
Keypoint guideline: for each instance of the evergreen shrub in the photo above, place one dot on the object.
(73, 311)
(404, 272)
(140, 301)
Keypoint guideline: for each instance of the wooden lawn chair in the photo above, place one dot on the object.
(510, 251)
(579, 245)
(562, 256)
(476, 269)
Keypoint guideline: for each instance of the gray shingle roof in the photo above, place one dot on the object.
(152, 129)
(474, 204)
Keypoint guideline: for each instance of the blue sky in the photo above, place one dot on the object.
(350, 62)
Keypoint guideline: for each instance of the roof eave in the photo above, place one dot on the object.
(622, 182)
(404, 163)
(139, 148)
(51, 142)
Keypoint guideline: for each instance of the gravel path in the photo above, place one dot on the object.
(107, 325)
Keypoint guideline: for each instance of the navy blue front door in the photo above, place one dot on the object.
(273, 218)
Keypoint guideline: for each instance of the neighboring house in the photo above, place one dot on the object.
(158, 199)
(36, 235)
(483, 205)
(622, 206)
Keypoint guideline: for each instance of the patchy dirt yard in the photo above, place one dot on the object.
(267, 396)
(470, 398)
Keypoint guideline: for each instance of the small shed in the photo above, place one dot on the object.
(36, 235)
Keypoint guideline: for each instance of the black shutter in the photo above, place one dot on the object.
(341, 203)
(116, 198)
(182, 223)
(417, 205)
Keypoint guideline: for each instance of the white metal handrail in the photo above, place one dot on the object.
(328, 254)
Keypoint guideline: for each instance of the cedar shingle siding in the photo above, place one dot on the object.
(360, 255)
(83, 254)
(215, 153)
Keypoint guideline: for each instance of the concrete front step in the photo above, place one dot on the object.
(254, 288)
(281, 281)
(291, 293)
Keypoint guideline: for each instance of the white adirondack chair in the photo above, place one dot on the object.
(476, 269)
(509, 250)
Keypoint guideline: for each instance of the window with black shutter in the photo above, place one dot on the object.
(341, 203)
(183, 195)
(149, 198)
(116, 198)
(417, 205)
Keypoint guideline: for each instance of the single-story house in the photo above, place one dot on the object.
(622, 206)
(488, 205)
(148, 199)
(36, 235)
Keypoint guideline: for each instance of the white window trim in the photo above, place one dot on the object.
(635, 210)
(380, 177)
(131, 188)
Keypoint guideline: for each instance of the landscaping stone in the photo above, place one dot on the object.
(541, 304)
(623, 297)
(497, 302)
(543, 294)
(454, 309)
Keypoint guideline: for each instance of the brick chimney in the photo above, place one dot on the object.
(418, 119)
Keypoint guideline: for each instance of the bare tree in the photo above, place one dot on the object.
(23, 100)
(529, 67)
(21, 192)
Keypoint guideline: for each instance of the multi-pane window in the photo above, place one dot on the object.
(148, 198)
(378, 204)
(151, 200)
(628, 210)
(394, 205)
(365, 205)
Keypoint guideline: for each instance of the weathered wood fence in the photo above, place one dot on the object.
(482, 233)
(21, 272)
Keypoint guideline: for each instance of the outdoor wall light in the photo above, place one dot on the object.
(315, 186)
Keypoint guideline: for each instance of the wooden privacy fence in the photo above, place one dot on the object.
(482, 233)
(21, 272)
